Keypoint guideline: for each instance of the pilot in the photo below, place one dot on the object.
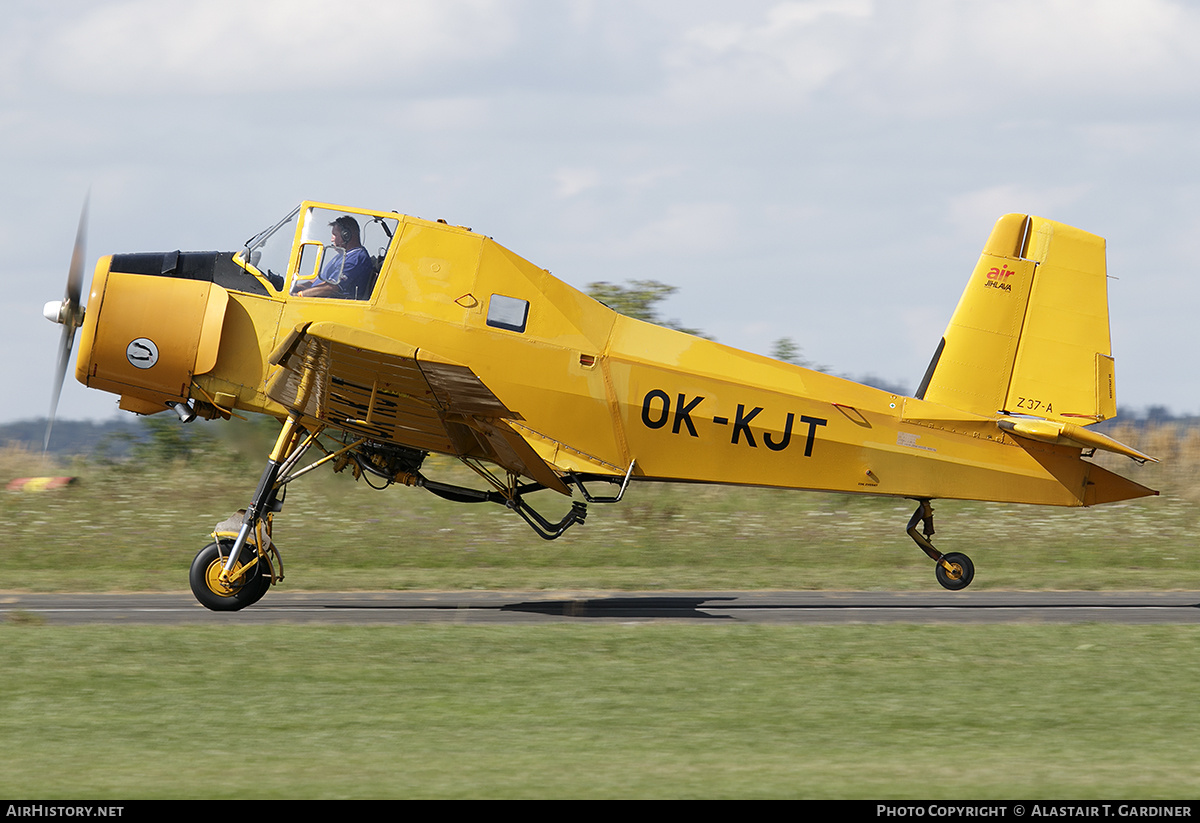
(348, 269)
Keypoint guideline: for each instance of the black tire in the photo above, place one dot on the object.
(964, 567)
(206, 585)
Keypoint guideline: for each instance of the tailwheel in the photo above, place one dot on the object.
(955, 571)
(244, 590)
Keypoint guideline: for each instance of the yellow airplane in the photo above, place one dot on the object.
(378, 338)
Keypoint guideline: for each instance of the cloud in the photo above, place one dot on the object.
(973, 210)
(299, 46)
(940, 58)
(791, 53)
(683, 230)
(572, 181)
(1030, 57)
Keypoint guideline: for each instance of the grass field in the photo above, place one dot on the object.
(577, 711)
(573, 710)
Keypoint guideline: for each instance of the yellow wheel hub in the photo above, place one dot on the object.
(212, 578)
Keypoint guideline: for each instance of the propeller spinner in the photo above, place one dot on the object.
(69, 313)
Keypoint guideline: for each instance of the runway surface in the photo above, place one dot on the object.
(480, 608)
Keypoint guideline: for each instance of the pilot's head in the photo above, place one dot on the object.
(345, 232)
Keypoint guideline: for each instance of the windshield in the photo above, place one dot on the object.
(269, 250)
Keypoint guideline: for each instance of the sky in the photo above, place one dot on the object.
(826, 171)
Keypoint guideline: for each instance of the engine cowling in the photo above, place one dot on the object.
(146, 334)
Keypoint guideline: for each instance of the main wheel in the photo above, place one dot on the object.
(962, 571)
(205, 577)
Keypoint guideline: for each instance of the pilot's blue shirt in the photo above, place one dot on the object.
(350, 272)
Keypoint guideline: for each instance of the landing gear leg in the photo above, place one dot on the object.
(230, 576)
(954, 570)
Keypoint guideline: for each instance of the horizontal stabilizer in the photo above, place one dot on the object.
(1070, 434)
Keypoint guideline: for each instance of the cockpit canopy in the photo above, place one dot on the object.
(337, 249)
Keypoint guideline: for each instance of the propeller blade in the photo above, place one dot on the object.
(75, 274)
(64, 359)
(71, 316)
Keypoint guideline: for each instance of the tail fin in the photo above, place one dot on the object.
(1030, 334)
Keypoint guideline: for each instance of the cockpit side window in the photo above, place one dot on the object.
(341, 253)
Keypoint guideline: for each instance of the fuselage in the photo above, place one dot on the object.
(595, 391)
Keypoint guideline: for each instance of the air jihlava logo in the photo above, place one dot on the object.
(998, 278)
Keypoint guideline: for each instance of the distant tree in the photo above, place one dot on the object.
(165, 438)
(787, 350)
(638, 299)
(71, 437)
(1159, 414)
